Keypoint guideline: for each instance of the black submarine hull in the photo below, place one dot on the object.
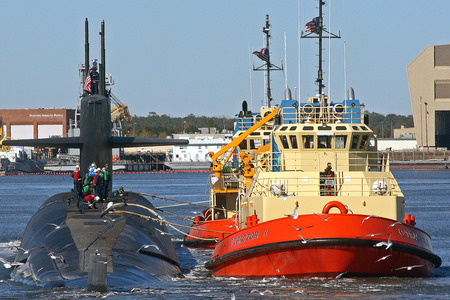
(63, 236)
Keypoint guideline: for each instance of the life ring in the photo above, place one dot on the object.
(337, 204)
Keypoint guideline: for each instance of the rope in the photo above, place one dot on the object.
(167, 212)
(169, 199)
(147, 218)
(177, 205)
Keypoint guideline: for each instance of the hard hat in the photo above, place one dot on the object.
(97, 198)
(96, 171)
(329, 165)
(77, 166)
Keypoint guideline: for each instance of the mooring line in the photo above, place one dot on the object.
(169, 199)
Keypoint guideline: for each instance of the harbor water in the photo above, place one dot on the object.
(427, 198)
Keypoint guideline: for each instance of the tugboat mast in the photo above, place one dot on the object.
(318, 28)
(265, 56)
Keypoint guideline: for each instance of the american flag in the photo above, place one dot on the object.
(87, 84)
(313, 26)
(263, 54)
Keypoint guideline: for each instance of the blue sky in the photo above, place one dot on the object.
(182, 57)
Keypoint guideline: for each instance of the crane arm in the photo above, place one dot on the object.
(217, 167)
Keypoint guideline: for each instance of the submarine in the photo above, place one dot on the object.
(119, 244)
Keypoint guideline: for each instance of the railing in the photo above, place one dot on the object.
(317, 161)
(330, 114)
(228, 180)
(339, 185)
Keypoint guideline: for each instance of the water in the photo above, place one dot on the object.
(426, 195)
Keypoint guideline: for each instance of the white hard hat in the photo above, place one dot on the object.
(96, 171)
(77, 166)
(97, 198)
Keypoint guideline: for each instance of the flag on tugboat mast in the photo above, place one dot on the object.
(263, 54)
(87, 84)
(313, 26)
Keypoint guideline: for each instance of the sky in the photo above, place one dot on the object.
(194, 57)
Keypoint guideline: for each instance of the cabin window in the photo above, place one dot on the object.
(283, 128)
(243, 145)
(364, 128)
(355, 141)
(257, 143)
(284, 141)
(308, 141)
(293, 128)
(341, 141)
(308, 127)
(364, 140)
(293, 139)
(267, 133)
(255, 133)
(252, 144)
(341, 128)
(324, 141)
(355, 127)
(266, 141)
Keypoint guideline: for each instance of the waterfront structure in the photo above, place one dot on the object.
(194, 156)
(36, 123)
(429, 88)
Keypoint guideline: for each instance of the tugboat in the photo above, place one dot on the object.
(220, 218)
(230, 179)
(117, 244)
(321, 201)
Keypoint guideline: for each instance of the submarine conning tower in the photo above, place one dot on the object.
(95, 132)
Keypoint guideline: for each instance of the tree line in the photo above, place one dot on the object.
(161, 126)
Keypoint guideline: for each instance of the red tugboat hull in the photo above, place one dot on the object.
(325, 245)
(205, 234)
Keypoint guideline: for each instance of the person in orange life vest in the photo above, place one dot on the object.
(97, 183)
(75, 175)
(330, 174)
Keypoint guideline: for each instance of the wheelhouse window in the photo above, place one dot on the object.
(355, 140)
(293, 140)
(284, 141)
(324, 141)
(243, 145)
(341, 141)
(308, 141)
(364, 140)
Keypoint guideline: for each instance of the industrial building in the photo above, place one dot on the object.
(36, 123)
(429, 88)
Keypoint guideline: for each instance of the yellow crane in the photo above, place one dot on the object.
(119, 113)
(217, 167)
(3, 148)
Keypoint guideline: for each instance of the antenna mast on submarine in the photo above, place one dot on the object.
(264, 55)
(316, 27)
(102, 81)
(86, 49)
